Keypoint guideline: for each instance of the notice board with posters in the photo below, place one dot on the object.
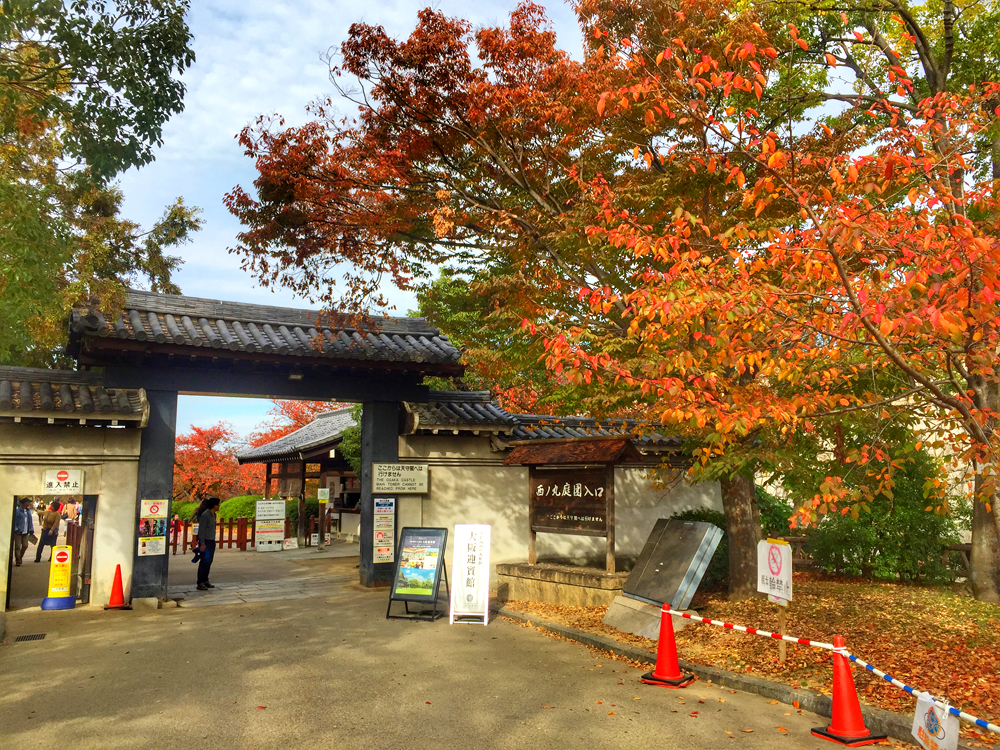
(152, 532)
(418, 570)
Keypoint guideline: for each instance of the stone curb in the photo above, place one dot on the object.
(878, 720)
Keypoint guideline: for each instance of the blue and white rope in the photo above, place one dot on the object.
(843, 652)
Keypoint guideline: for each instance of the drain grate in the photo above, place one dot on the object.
(32, 637)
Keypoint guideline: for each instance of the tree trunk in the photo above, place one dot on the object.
(739, 501)
(985, 557)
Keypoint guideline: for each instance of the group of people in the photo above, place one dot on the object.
(50, 518)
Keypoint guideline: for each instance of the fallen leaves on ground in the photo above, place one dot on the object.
(931, 638)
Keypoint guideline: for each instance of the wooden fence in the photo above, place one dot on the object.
(239, 533)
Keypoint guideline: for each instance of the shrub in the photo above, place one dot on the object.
(185, 510)
(897, 540)
(292, 510)
(717, 574)
(774, 514)
(244, 506)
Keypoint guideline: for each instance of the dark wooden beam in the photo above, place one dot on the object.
(379, 444)
(156, 482)
(224, 382)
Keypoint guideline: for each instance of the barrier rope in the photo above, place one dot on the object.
(843, 652)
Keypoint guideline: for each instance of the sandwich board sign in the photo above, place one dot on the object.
(470, 566)
(419, 568)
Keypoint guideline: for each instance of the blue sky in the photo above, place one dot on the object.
(260, 57)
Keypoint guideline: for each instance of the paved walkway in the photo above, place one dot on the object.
(330, 671)
(187, 595)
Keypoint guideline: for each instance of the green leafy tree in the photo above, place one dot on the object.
(85, 88)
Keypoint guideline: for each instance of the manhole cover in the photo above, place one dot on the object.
(32, 637)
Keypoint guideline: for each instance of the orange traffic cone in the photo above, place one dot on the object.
(848, 725)
(117, 593)
(667, 672)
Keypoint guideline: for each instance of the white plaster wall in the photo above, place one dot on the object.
(109, 458)
(470, 484)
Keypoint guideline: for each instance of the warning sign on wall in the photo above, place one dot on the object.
(152, 532)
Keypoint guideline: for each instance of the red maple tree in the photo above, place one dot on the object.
(205, 465)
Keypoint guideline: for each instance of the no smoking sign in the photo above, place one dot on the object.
(774, 569)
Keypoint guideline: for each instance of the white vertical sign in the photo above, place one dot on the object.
(470, 566)
(384, 531)
(774, 568)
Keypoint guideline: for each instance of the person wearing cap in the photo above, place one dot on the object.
(24, 529)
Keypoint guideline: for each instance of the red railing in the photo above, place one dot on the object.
(240, 533)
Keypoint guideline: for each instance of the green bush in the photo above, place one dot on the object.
(897, 540)
(774, 514)
(244, 506)
(185, 510)
(717, 574)
(292, 510)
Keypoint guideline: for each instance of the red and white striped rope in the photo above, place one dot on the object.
(751, 631)
(843, 652)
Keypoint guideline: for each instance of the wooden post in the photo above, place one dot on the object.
(267, 481)
(532, 535)
(610, 538)
(322, 526)
(241, 534)
(782, 645)
(301, 533)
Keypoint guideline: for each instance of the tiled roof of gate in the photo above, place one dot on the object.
(460, 410)
(325, 428)
(546, 427)
(27, 393)
(475, 411)
(235, 326)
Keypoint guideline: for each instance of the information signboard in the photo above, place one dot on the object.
(269, 534)
(470, 566)
(400, 479)
(384, 531)
(62, 482)
(569, 501)
(774, 569)
(419, 568)
(152, 532)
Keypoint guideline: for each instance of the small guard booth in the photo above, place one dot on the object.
(571, 490)
(57, 423)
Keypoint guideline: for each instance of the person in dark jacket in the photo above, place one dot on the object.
(205, 516)
(24, 529)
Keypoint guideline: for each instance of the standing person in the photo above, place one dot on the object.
(175, 530)
(50, 531)
(206, 539)
(24, 529)
(71, 511)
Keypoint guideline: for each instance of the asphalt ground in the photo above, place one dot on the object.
(333, 672)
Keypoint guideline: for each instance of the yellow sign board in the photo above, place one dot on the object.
(60, 571)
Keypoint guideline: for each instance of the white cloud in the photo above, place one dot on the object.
(260, 57)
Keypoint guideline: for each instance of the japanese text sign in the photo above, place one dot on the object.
(774, 568)
(62, 482)
(400, 478)
(569, 500)
(470, 565)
